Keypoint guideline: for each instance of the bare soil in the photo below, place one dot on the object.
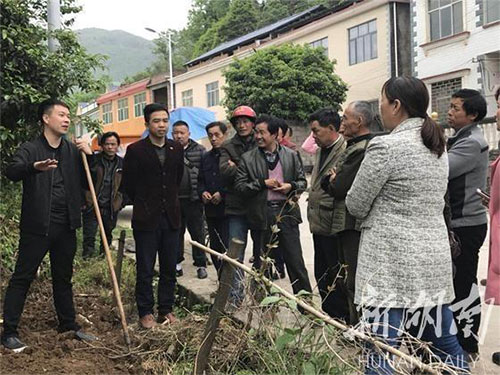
(49, 352)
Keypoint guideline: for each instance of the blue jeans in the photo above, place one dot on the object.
(433, 324)
(238, 228)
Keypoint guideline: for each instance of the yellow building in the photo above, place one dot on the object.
(370, 40)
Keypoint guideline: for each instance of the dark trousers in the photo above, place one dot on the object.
(192, 219)
(466, 286)
(163, 241)
(348, 256)
(218, 232)
(90, 229)
(61, 244)
(288, 239)
(326, 272)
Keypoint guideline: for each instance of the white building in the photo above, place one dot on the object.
(456, 44)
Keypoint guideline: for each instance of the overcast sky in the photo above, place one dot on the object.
(133, 15)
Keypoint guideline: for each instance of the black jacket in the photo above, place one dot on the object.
(192, 161)
(232, 150)
(97, 171)
(151, 187)
(249, 183)
(37, 186)
(209, 179)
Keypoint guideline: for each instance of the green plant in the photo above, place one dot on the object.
(289, 81)
(10, 209)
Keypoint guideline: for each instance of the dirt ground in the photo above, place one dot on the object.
(49, 352)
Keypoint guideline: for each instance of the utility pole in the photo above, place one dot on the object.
(54, 22)
(171, 70)
(169, 51)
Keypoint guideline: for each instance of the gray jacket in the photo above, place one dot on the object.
(468, 160)
(404, 254)
(249, 182)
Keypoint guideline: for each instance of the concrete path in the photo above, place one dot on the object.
(490, 325)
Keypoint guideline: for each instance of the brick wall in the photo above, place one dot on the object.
(441, 94)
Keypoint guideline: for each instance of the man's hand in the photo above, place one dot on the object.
(216, 198)
(206, 197)
(332, 174)
(83, 146)
(283, 188)
(45, 165)
(271, 183)
(231, 163)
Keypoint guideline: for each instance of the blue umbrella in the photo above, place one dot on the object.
(196, 118)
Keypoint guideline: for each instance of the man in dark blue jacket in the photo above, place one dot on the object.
(210, 189)
(191, 205)
(50, 168)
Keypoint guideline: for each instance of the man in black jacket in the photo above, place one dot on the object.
(50, 168)
(191, 205)
(355, 127)
(268, 177)
(107, 177)
(212, 193)
(152, 174)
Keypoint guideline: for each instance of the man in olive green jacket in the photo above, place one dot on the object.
(355, 128)
(325, 124)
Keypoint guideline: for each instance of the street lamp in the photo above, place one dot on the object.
(169, 35)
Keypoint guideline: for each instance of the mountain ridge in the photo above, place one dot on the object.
(127, 53)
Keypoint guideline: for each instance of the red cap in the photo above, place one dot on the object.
(243, 111)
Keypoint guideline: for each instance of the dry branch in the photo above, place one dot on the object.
(411, 360)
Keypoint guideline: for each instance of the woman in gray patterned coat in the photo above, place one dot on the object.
(404, 275)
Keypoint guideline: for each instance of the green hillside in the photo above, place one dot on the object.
(128, 54)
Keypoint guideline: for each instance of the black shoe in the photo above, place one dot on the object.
(179, 273)
(496, 358)
(13, 343)
(202, 273)
(80, 335)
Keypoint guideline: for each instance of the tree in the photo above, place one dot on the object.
(30, 73)
(241, 18)
(289, 81)
(275, 10)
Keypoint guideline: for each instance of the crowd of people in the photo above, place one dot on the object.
(396, 219)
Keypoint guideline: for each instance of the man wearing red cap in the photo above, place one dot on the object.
(243, 120)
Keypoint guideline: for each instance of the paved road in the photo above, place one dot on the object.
(490, 326)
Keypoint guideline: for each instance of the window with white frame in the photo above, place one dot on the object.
(107, 113)
(363, 42)
(187, 98)
(491, 10)
(212, 94)
(445, 18)
(139, 104)
(123, 109)
(323, 42)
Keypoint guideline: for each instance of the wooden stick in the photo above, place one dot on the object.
(226, 280)
(327, 319)
(119, 257)
(109, 260)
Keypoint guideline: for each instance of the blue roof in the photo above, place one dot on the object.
(245, 39)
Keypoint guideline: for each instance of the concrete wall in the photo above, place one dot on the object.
(455, 56)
